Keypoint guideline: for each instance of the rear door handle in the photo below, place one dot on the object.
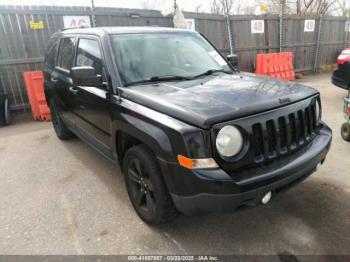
(73, 90)
(53, 80)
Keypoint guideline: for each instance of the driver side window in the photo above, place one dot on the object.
(89, 54)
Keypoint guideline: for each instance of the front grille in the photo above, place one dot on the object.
(277, 137)
(271, 137)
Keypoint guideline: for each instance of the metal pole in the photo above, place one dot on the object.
(93, 13)
(298, 7)
(281, 16)
(174, 12)
(347, 28)
(284, 6)
(281, 32)
(318, 44)
(228, 26)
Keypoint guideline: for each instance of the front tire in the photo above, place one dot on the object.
(147, 191)
(60, 127)
(345, 131)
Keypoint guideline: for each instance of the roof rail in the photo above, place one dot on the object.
(82, 26)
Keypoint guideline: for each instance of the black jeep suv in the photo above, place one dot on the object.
(190, 132)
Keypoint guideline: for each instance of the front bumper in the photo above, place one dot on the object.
(203, 191)
(340, 77)
(340, 82)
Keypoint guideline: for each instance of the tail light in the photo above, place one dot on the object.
(344, 56)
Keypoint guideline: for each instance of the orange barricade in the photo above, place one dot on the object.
(277, 65)
(34, 82)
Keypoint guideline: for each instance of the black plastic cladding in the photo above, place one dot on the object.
(271, 135)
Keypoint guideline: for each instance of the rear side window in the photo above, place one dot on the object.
(89, 54)
(66, 53)
(51, 53)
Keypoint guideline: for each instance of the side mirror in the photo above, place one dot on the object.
(233, 60)
(85, 76)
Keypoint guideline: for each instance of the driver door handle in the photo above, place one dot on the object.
(73, 90)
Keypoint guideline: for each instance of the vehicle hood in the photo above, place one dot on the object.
(213, 99)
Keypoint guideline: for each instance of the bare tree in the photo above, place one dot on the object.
(303, 7)
(342, 8)
(147, 4)
(197, 8)
(152, 4)
(218, 6)
(318, 7)
(298, 7)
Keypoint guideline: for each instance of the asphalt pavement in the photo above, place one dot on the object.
(64, 198)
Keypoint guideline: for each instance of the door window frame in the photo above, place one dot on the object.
(103, 58)
(74, 37)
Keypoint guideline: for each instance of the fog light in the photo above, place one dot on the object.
(266, 199)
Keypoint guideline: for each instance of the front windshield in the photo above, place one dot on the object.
(141, 57)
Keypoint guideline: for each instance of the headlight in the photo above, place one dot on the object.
(229, 141)
(318, 111)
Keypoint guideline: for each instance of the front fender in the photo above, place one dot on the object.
(161, 133)
(165, 136)
(151, 135)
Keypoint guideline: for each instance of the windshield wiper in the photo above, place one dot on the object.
(155, 79)
(212, 71)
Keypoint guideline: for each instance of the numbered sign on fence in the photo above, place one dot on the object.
(76, 21)
(347, 26)
(257, 26)
(309, 26)
(191, 24)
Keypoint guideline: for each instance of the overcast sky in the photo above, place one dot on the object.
(187, 5)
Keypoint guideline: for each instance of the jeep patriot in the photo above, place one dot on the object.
(190, 132)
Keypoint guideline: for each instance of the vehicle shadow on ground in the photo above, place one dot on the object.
(107, 172)
(313, 218)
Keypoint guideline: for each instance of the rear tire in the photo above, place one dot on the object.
(60, 127)
(146, 188)
(5, 114)
(345, 131)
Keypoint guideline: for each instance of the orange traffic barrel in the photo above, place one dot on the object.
(34, 82)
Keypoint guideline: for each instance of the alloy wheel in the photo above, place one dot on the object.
(142, 190)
